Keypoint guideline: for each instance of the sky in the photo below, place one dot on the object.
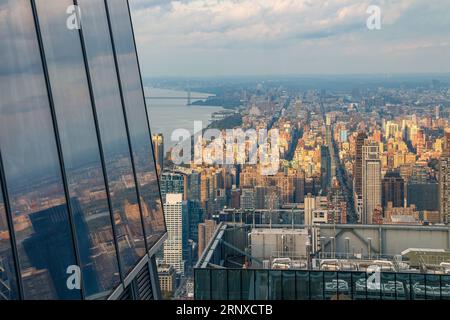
(290, 37)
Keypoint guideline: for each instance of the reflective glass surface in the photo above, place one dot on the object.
(8, 279)
(275, 285)
(317, 285)
(261, 284)
(389, 286)
(111, 121)
(137, 119)
(269, 284)
(302, 285)
(331, 285)
(248, 285)
(80, 148)
(202, 284)
(359, 285)
(219, 285)
(234, 284)
(418, 287)
(445, 287)
(433, 287)
(288, 285)
(403, 287)
(30, 158)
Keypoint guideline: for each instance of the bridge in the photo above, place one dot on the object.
(176, 98)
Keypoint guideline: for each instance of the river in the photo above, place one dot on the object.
(166, 115)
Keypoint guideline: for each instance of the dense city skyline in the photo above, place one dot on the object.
(224, 150)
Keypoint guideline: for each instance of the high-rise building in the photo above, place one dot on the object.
(444, 180)
(248, 198)
(195, 216)
(78, 183)
(158, 146)
(325, 169)
(235, 198)
(393, 189)
(205, 233)
(167, 278)
(371, 181)
(299, 184)
(266, 197)
(423, 192)
(193, 189)
(176, 246)
(171, 182)
(310, 206)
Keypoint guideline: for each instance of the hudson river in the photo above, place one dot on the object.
(166, 115)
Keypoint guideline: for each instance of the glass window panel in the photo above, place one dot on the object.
(30, 158)
(344, 286)
(8, 279)
(137, 120)
(113, 133)
(261, 285)
(302, 279)
(316, 285)
(80, 149)
(219, 284)
(403, 286)
(388, 286)
(359, 285)
(202, 284)
(330, 285)
(248, 285)
(234, 284)
(288, 286)
(275, 285)
(445, 291)
(418, 287)
(373, 285)
(433, 287)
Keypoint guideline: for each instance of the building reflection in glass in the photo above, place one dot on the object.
(113, 133)
(30, 157)
(8, 281)
(75, 157)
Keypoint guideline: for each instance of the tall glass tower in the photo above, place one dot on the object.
(81, 215)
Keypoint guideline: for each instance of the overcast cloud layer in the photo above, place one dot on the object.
(254, 37)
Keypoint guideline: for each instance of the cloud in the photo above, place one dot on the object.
(240, 27)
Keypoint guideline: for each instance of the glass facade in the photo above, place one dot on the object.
(113, 133)
(135, 110)
(75, 151)
(317, 285)
(80, 149)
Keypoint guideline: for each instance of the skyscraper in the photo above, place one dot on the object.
(325, 168)
(205, 233)
(371, 181)
(423, 192)
(158, 146)
(247, 198)
(393, 189)
(357, 172)
(79, 189)
(171, 182)
(444, 180)
(176, 246)
(193, 183)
